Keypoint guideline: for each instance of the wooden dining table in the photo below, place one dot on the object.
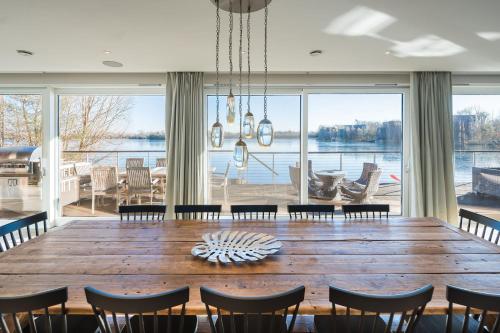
(380, 256)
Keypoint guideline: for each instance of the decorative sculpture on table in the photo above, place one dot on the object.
(236, 246)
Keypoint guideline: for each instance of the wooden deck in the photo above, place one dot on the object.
(374, 256)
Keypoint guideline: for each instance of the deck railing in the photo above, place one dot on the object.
(271, 167)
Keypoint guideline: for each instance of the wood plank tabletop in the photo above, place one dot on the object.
(380, 256)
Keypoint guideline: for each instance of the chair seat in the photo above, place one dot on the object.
(190, 324)
(437, 324)
(253, 324)
(324, 324)
(76, 324)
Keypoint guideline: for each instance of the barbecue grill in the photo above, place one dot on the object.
(20, 166)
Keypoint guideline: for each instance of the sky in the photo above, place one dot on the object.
(147, 113)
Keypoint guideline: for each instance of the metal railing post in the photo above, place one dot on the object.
(341, 162)
(473, 158)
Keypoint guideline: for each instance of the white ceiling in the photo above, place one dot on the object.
(168, 35)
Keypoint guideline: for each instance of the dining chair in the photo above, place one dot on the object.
(311, 211)
(142, 212)
(139, 183)
(252, 314)
(12, 233)
(39, 317)
(197, 212)
(104, 181)
(358, 210)
(134, 162)
(468, 219)
(254, 211)
(161, 162)
(142, 312)
(488, 305)
(365, 313)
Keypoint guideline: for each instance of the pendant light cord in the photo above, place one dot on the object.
(217, 45)
(240, 67)
(248, 58)
(265, 60)
(230, 45)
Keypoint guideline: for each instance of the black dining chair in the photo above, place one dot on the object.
(20, 231)
(252, 314)
(480, 225)
(365, 313)
(141, 312)
(366, 209)
(197, 212)
(256, 212)
(40, 318)
(311, 211)
(488, 306)
(142, 212)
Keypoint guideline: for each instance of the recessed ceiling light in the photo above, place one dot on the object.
(24, 53)
(387, 52)
(315, 53)
(107, 52)
(111, 63)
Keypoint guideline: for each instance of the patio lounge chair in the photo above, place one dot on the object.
(364, 195)
(313, 185)
(361, 182)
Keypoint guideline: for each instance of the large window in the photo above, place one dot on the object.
(355, 148)
(476, 122)
(20, 155)
(273, 174)
(102, 137)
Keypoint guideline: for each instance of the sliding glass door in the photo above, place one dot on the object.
(100, 135)
(354, 147)
(20, 155)
(273, 174)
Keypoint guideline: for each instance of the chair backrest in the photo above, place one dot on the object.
(105, 305)
(138, 179)
(12, 233)
(373, 182)
(311, 211)
(161, 162)
(358, 210)
(405, 310)
(104, 178)
(197, 212)
(15, 305)
(489, 304)
(367, 168)
(294, 176)
(142, 212)
(134, 162)
(254, 211)
(276, 307)
(485, 227)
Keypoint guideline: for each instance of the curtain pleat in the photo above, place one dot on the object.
(185, 139)
(431, 173)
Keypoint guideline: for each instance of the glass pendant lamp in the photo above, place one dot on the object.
(265, 131)
(240, 154)
(248, 125)
(217, 133)
(231, 113)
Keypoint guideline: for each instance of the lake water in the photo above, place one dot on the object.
(268, 166)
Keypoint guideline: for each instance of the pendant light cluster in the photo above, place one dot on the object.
(265, 132)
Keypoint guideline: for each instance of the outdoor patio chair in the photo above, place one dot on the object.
(362, 181)
(104, 181)
(134, 162)
(221, 180)
(313, 183)
(161, 162)
(364, 195)
(12, 233)
(139, 183)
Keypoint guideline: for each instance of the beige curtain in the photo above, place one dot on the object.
(431, 190)
(185, 139)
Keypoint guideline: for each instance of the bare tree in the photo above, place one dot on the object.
(87, 120)
(20, 120)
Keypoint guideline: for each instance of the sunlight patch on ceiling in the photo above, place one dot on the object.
(360, 21)
(426, 46)
(492, 36)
